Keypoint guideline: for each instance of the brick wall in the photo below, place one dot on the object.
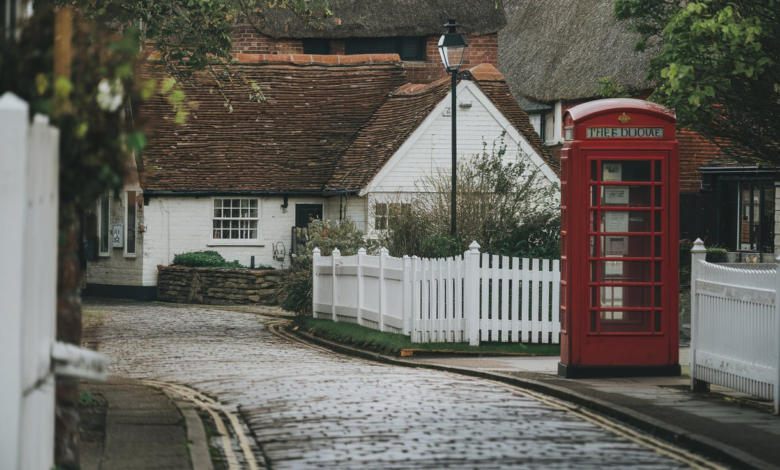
(247, 41)
(217, 286)
(481, 50)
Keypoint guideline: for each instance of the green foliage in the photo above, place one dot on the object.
(392, 344)
(717, 65)
(86, 398)
(90, 107)
(503, 204)
(442, 246)
(295, 288)
(204, 259)
(611, 89)
(717, 255)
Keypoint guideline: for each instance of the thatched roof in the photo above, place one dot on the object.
(386, 18)
(558, 49)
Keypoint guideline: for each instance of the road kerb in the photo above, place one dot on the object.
(667, 432)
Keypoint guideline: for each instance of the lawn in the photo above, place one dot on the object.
(392, 344)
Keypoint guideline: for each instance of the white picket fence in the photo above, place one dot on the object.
(735, 327)
(31, 358)
(28, 285)
(477, 297)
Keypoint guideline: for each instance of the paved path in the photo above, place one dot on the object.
(309, 408)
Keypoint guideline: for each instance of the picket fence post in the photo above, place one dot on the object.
(777, 336)
(13, 192)
(415, 312)
(360, 254)
(382, 288)
(333, 261)
(407, 308)
(315, 284)
(698, 253)
(472, 292)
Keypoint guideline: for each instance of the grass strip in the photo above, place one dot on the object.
(392, 344)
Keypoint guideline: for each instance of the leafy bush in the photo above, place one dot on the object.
(295, 288)
(203, 259)
(685, 254)
(504, 204)
(441, 246)
(717, 255)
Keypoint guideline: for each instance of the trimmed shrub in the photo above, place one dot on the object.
(442, 246)
(717, 255)
(203, 259)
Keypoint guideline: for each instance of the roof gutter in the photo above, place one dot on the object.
(738, 169)
(165, 193)
(158, 193)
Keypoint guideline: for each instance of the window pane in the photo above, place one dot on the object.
(244, 202)
(625, 296)
(626, 271)
(624, 245)
(235, 213)
(636, 196)
(217, 203)
(104, 222)
(625, 221)
(626, 322)
(253, 234)
(627, 170)
(226, 203)
(131, 222)
(253, 213)
(658, 175)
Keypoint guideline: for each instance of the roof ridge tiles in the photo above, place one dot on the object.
(316, 59)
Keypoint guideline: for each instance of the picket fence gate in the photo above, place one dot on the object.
(473, 298)
(735, 327)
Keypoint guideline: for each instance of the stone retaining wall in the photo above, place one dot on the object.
(217, 286)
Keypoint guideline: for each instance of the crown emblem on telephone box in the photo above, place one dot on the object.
(624, 118)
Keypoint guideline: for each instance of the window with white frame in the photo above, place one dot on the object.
(235, 219)
(387, 215)
(104, 225)
(131, 222)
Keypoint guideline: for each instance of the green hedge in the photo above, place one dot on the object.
(204, 259)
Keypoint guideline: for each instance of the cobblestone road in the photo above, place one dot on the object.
(313, 409)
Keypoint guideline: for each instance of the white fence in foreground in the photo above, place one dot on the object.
(477, 297)
(735, 327)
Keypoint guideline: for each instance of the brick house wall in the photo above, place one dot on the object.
(481, 50)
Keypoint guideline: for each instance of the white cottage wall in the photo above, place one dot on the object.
(428, 150)
(118, 268)
(179, 225)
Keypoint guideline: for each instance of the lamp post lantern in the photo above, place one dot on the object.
(452, 47)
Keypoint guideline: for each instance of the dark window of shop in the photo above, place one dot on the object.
(316, 46)
(409, 48)
(747, 214)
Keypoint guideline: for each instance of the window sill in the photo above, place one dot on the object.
(255, 243)
(106, 254)
(130, 255)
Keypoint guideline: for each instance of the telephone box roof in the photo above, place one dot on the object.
(592, 109)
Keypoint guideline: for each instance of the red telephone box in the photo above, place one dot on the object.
(619, 238)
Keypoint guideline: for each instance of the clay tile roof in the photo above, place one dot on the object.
(402, 114)
(289, 143)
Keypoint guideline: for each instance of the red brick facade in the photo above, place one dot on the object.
(481, 50)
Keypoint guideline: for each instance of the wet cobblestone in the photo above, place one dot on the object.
(309, 408)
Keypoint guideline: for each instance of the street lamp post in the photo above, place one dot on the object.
(452, 46)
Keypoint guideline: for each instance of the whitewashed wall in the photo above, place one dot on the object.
(183, 224)
(118, 269)
(428, 151)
